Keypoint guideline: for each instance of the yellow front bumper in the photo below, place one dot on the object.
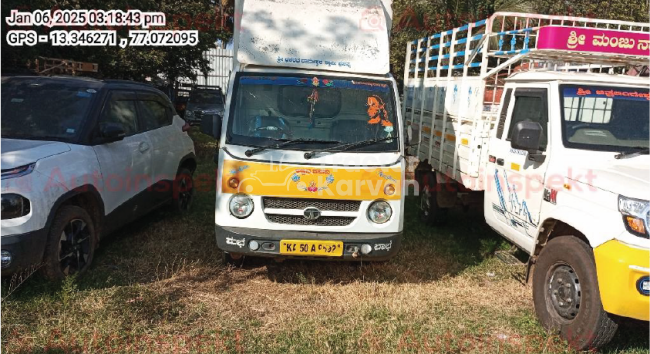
(619, 268)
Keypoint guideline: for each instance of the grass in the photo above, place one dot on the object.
(159, 286)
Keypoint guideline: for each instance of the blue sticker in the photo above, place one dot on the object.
(83, 94)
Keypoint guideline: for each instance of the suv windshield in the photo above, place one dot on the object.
(320, 109)
(206, 97)
(47, 109)
(604, 118)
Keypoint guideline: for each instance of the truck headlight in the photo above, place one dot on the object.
(379, 212)
(14, 206)
(241, 206)
(636, 215)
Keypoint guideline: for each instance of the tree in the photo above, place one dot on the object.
(134, 63)
(418, 18)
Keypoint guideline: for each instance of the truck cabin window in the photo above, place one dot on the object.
(44, 109)
(530, 105)
(271, 108)
(605, 118)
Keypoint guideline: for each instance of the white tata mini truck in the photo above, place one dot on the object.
(310, 163)
(543, 119)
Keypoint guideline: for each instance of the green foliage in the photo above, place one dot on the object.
(418, 18)
(134, 63)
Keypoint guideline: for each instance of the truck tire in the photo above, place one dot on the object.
(430, 211)
(70, 244)
(566, 294)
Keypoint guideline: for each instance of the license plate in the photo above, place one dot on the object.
(311, 248)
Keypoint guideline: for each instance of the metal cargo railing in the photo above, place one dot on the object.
(453, 80)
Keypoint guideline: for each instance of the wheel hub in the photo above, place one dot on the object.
(75, 247)
(564, 291)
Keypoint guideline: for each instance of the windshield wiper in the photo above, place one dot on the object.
(348, 146)
(640, 151)
(251, 152)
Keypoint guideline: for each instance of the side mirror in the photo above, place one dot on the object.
(111, 132)
(528, 136)
(211, 125)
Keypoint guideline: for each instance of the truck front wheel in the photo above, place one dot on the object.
(566, 295)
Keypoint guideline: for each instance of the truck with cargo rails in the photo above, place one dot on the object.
(311, 161)
(541, 120)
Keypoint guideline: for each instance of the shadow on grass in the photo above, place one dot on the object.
(163, 245)
(427, 254)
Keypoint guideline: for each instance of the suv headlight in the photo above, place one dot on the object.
(636, 215)
(241, 206)
(14, 206)
(379, 212)
(18, 171)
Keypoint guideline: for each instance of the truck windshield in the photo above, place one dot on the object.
(44, 109)
(604, 118)
(320, 110)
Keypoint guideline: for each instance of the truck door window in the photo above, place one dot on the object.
(530, 105)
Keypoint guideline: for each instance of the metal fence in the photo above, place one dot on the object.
(221, 62)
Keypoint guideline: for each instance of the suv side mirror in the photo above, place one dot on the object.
(111, 132)
(211, 125)
(527, 136)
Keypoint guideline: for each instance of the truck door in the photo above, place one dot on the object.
(515, 185)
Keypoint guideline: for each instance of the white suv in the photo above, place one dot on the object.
(80, 158)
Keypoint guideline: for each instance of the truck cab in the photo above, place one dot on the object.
(542, 120)
(311, 162)
(584, 174)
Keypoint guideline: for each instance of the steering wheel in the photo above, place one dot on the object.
(272, 129)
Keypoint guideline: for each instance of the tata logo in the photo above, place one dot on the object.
(311, 213)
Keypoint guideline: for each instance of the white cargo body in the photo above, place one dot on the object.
(343, 35)
(453, 82)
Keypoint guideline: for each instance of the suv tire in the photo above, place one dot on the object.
(183, 191)
(70, 244)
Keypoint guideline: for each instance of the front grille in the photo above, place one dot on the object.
(300, 220)
(320, 204)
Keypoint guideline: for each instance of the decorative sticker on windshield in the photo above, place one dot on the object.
(312, 99)
(378, 113)
(607, 93)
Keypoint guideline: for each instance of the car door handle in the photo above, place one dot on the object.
(143, 147)
(500, 162)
